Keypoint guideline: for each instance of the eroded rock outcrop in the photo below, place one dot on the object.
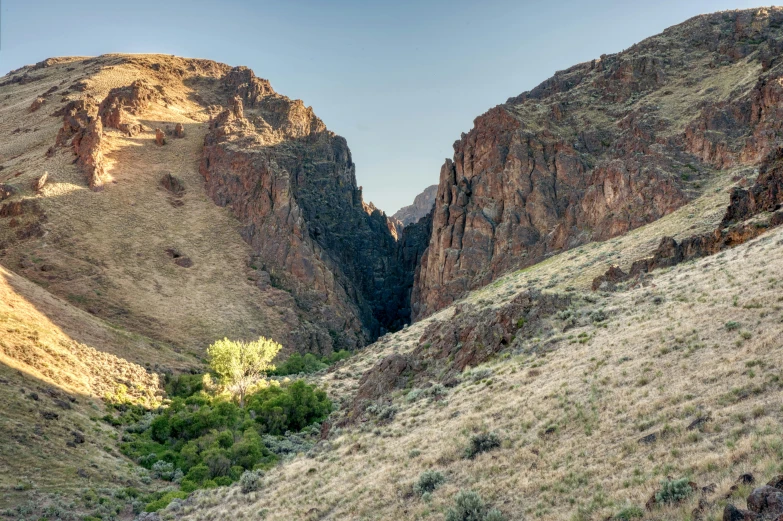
(83, 129)
(750, 213)
(88, 147)
(130, 100)
(602, 148)
(472, 336)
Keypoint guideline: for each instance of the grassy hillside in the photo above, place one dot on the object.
(678, 377)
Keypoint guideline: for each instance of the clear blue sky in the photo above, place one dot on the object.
(399, 79)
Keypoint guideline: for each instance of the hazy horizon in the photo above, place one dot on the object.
(399, 81)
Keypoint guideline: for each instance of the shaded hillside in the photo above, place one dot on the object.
(602, 148)
(57, 364)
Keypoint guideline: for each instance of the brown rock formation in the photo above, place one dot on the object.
(173, 184)
(292, 183)
(83, 128)
(422, 205)
(76, 116)
(37, 104)
(123, 101)
(602, 148)
(89, 153)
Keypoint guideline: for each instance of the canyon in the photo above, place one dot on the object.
(597, 150)
(593, 281)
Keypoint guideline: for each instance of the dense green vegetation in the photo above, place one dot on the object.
(204, 440)
(309, 363)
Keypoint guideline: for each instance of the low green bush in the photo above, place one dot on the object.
(468, 506)
(250, 481)
(164, 501)
(629, 513)
(482, 442)
(673, 491)
(428, 481)
(309, 363)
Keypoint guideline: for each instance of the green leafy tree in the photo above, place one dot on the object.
(240, 364)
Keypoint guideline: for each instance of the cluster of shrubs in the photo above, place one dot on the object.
(435, 392)
(203, 441)
(309, 363)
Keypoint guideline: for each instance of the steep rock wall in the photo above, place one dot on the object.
(602, 148)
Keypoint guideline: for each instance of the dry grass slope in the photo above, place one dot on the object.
(107, 252)
(701, 341)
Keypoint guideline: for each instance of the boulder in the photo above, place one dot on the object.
(732, 513)
(776, 482)
(609, 279)
(173, 184)
(766, 501)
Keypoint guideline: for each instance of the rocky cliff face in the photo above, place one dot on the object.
(292, 184)
(324, 270)
(422, 205)
(602, 148)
